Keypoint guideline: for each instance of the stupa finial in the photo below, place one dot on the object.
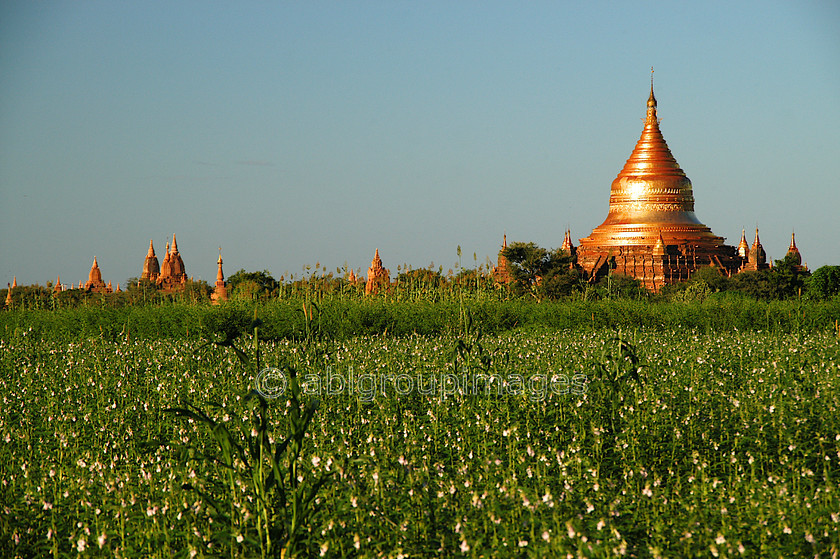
(651, 104)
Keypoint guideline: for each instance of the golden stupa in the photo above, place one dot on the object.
(651, 232)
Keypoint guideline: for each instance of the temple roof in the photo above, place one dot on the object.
(651, 156)
(651, 196)
(793, 250)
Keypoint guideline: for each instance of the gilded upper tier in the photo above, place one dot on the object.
(651, 196)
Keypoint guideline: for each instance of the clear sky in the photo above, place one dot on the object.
(292, 133)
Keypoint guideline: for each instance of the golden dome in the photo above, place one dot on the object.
(651, 196)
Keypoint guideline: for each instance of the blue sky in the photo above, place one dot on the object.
(296, 133)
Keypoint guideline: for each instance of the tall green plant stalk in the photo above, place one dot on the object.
(250, 458)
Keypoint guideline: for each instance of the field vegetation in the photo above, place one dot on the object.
(445, 417)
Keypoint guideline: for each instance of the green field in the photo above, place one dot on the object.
(564, 430)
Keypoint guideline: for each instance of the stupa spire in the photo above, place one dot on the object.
(220, 292)
(151, 266)
(651, 118)
(219, 274)
(567, 242)
(743, 246)
(758, 258)
(378, 277)
(94, 282)
(793, 250)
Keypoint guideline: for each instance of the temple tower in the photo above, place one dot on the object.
(151, 267)
(757, 259)
(651, 232)
(220, 292)
(567, 245)
(793, 252)
(94, 282)
(501, 272)
(743, 246)
(378, 277)
(173, 275)
(165, 268)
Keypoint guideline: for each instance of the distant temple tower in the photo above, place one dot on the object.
(651, 232)
(567, 245)
(501, 273)
(757, 259)
(794, 253)
(8, 302)
(743, 247)
(378, 277)
(173, 275)
(220, 292)
(151, 268)
(94, 282)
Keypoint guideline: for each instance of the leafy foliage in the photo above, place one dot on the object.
(252, 285)
(824, 282)
(542, 273)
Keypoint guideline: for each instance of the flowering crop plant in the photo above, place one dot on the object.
(663, 444)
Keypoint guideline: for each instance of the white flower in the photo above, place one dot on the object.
(546, 536)
(316, 461)
(101, 540)
(465, 547)
(81, 544)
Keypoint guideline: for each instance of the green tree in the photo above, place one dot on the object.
(787, 277)
(758, 285)
(252, 285)
(712, 277)
(540, 272)
(824, 282)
